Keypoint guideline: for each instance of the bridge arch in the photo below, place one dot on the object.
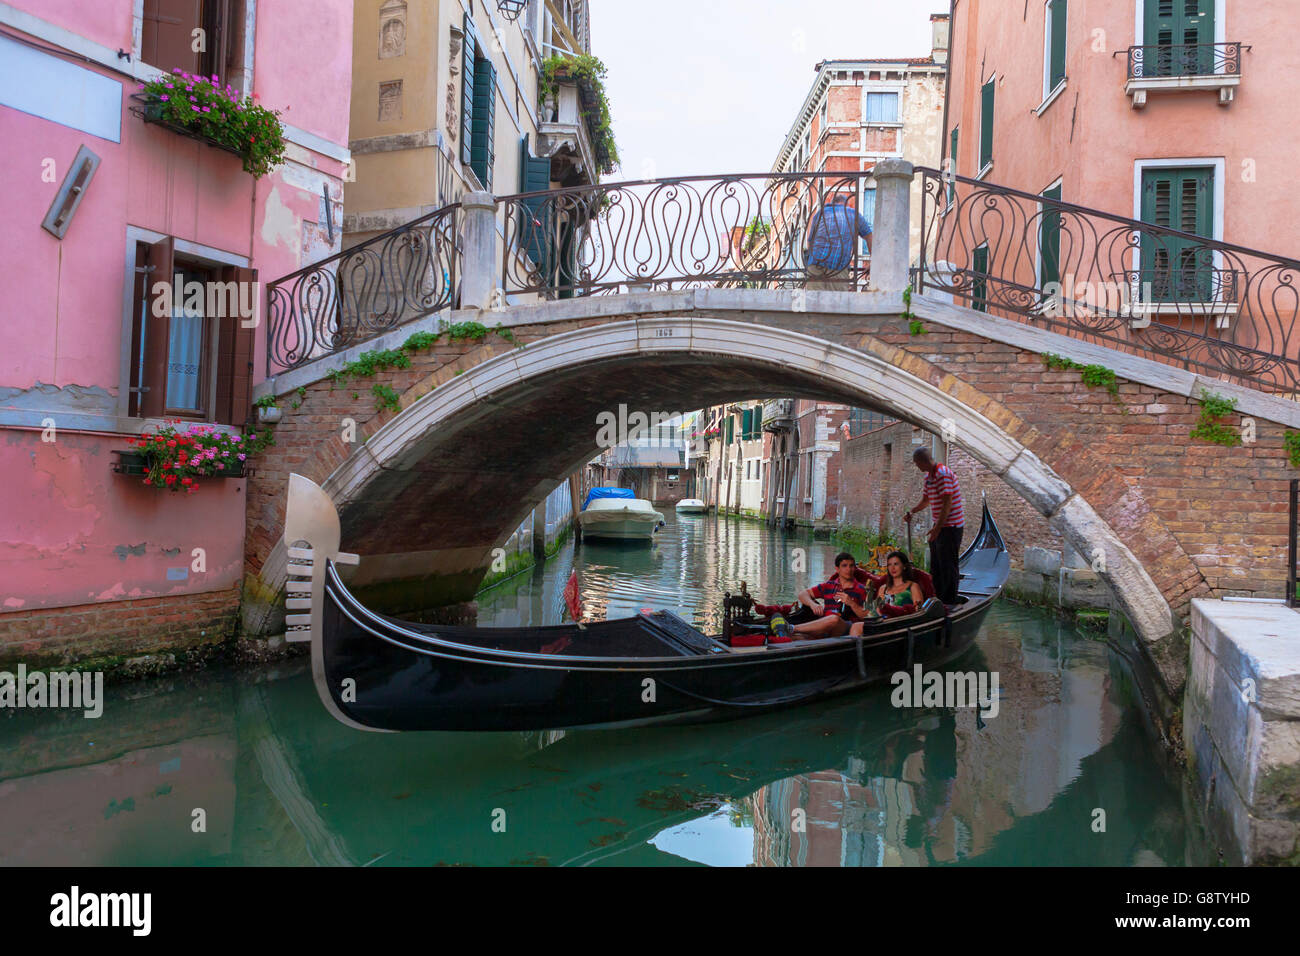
(417, 458)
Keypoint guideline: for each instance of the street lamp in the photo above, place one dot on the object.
(510, 9)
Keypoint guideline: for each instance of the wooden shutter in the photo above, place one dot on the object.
(166, 34)
(952, 154)
(1057, 66)
(1049, 241)
(1183, 199)
(986, 123)
(157, 329)
(482, 155)
(1177, 34)
(467, 96)
(234, 358)
(536, 231)
(731, 421)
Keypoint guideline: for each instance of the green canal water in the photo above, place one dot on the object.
(254, 758)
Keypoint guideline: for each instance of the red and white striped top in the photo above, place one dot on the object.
(942, 482)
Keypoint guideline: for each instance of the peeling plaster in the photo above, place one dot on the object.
(280, 224)
(124, 550)
(82, 399)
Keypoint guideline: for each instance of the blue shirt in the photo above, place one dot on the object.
(832, 234)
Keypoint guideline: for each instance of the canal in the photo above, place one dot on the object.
(245, 767)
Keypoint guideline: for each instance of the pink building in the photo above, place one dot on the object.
(101, 206)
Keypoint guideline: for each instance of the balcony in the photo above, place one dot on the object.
(1188, 67)
(778, 415)
(563, 136)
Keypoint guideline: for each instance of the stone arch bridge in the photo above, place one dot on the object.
(486, 428)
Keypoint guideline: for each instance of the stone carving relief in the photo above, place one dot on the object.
(392, 29)
(453, 65)
(390, 101)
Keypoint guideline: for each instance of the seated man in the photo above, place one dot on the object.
(837, 602)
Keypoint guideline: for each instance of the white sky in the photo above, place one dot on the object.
(712, 86)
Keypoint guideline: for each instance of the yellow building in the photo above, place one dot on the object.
(448, 97)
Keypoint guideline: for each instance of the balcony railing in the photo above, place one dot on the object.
(1186, 59)
(1212, 307)
(738, 231)
(364, 291)
(778, 414)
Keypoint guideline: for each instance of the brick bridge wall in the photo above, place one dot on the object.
(1202, 519)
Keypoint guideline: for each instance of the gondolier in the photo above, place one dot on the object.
(943, 495)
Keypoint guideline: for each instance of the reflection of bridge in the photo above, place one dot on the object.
(690, 293)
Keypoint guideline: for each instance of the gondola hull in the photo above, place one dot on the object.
(375, 672)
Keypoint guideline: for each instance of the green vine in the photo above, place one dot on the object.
(1291, 441)
(1094, 376)
(914, 325)
(917, 327)
(589, 73)
(370, 363)
(1209, 427)
(387, 398)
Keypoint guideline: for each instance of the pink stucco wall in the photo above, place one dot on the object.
(1091, 136)
(64, 512)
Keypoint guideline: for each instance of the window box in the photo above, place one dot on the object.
(134, 464)
(151, 111)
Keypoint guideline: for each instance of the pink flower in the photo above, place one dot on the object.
(177, 69)
(242, 456)
(196, 109)
(220, 465)
(165, 98)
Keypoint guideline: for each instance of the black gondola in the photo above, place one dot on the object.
(380, 673)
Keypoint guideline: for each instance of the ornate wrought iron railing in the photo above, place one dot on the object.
(1185, 59)
(760, 230)
(1208, 306)
(364, 291)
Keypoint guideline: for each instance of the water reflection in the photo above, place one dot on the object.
(850, 782)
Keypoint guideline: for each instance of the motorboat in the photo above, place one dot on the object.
(616, 513)
(691, 506)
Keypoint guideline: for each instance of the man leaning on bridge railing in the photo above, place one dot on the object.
(831, 238)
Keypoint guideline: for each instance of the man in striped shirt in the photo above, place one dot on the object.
(944, 498)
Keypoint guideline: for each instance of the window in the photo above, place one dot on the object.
(731, 423)
(1049, 240)
(167, 37)
(1178, 36)
(882, 107)
(1182, 198)
(191, 356)
(1054, 46)
(979, 287)
(986, 124)
(868, 207)
(478, 107)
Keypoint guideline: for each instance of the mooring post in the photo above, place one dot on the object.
(479, 251)
(891, 239)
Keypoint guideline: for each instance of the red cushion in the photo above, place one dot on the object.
(926, 582)
(748, 640)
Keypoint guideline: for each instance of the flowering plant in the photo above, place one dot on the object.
(176, 460)
(202, 106)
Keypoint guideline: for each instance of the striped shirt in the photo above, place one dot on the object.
(942, 482)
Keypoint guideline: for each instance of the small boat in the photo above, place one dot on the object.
(691, 506)
(375, 672)
(618, 514)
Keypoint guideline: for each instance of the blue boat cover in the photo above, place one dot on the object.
(595, 493)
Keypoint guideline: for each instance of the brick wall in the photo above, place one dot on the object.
(104, 632)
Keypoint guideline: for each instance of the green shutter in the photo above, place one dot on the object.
(1057, 65)
(1177, 38)
(536, 225)
(979, 287)
(467, 91)
(986, 124)
(952, 155)
(482, 157)
(1049, 241)
(745, 419)
(731, 421)
(1182, 198)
